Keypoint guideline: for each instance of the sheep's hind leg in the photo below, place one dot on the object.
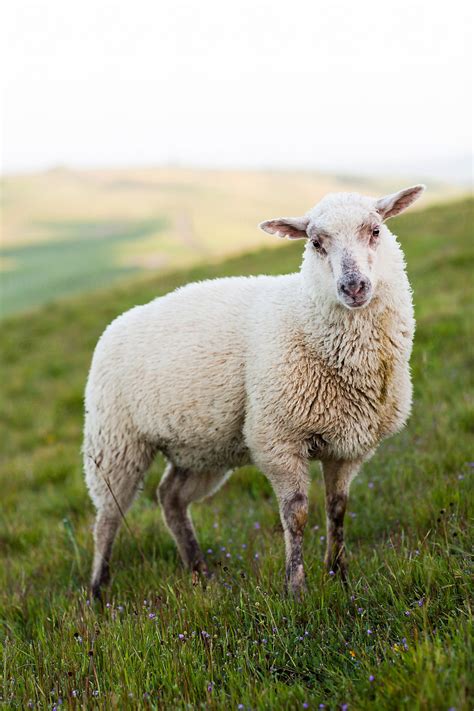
(177, 490)
(113, 477)
(337, 478)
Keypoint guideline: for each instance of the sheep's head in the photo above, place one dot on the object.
(345, 235)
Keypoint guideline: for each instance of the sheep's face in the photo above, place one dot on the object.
(345, 236)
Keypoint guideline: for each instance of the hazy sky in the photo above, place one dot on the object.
(344, 85)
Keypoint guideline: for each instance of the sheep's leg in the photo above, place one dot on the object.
(288, 475)
(294, 515)
(177, 490)
(337, 477)
(106, 526)
(113, 475)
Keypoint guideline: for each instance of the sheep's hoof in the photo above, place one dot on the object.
(98, 582)
(337, 568)
(201, 573)
(296, 588)
(298, 592)
(96, 592)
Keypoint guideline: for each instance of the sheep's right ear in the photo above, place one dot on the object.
(291, 227)
(394, 204)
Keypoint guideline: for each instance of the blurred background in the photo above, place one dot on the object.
(146, 137)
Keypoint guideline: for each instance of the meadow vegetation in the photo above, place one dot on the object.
(399, 637)
(67, 231)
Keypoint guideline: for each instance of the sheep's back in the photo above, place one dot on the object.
(177, 366)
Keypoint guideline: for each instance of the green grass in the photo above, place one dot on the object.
(82, 257)
(408, 532)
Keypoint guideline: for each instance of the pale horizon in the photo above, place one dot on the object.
(366, 89)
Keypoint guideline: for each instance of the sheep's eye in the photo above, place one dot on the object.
(317, 245)
(375, 232)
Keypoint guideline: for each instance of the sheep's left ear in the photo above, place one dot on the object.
(392, 205)
(291, 227)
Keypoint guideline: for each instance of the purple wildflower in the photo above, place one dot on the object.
(151, 615)
(256, 525)
(210, 686)
(371, 677)
(371, 484)
(369, 631)
(421, 602)
(407, 613)
(306, 705)
(331, 572)
(181, 635)
(244, 545)
(344, 707)
(322, 538)
(360, 610)
(240, 706)
(210, 551)
(256, 556)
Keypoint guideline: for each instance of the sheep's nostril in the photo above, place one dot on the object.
(354, 287)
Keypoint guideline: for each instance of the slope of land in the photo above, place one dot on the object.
(400, 636)
(65, 232)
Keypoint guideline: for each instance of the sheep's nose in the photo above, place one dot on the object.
(354, 286)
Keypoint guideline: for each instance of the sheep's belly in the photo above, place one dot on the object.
(207, 455)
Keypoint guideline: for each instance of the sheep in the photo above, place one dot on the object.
(274, 371)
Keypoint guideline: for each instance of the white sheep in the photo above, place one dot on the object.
(274, 371)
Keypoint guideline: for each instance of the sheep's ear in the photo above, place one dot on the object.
(291, 227)
(392, 205)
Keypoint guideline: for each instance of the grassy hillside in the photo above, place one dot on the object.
(65, 232)
(399, 638)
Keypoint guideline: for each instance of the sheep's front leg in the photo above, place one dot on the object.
(337, 478)
(289, 477)
(294, 514)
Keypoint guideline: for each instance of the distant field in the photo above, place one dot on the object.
(65, 232)
(399, 638)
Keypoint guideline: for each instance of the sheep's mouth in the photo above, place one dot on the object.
(355, 302)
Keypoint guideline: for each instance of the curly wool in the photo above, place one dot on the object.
(221, 373)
